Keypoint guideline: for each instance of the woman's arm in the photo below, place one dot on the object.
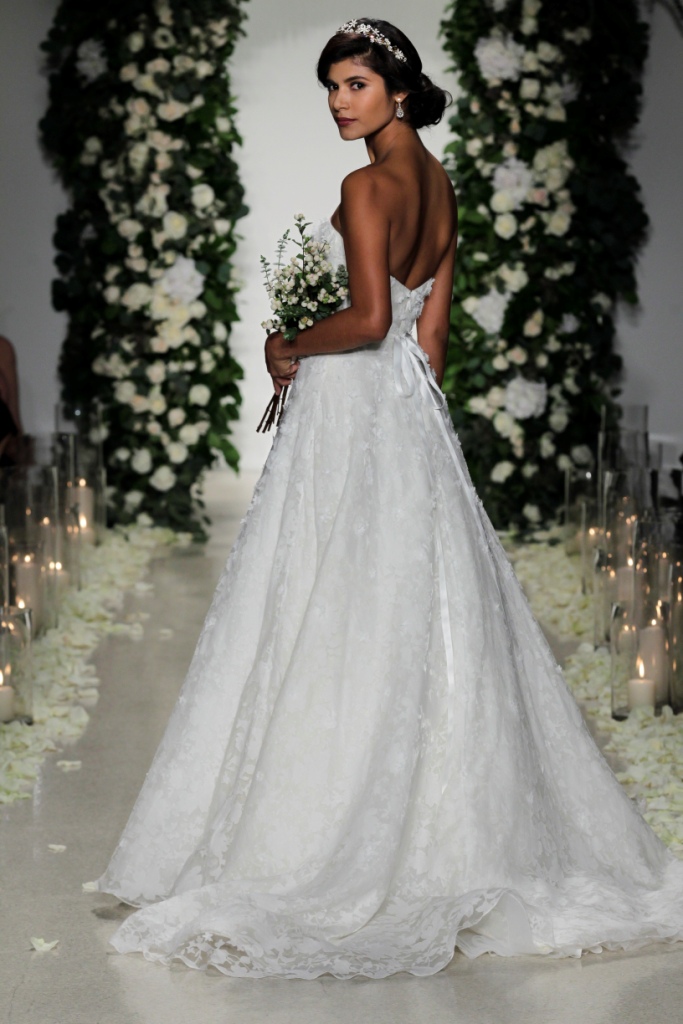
(365, 223)
(433, 326)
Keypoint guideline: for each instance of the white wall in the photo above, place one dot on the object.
(30, 199)
(293, 160)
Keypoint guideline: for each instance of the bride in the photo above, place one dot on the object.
(374, 758)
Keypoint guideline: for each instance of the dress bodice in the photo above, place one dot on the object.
(406, 303)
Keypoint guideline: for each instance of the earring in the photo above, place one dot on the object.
(399, 110)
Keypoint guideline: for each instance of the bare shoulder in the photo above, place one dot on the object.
(361, 185)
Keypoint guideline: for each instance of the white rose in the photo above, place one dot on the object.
(546, 446)
(162, 161)
(157, 404)
(473, 147)
(478, 404)
(137, 296)
(547, 52)
(172, 110)
(139, 404)
(182, 63)
(541, 360)
(517, 355)
(135, 42)
(163, 38)
(147, 83)
(221, 226)
(137, 155)
(496, 397)
(158, 345)
(563, 462)
(515, 278)
(112, 293)
(499, 362)
(189, 434)
(501, 471)
(558, 420)
(499, 57)
(176, 417)
(529, 88)
(177, 452)
(203, 69)
(502, 201)
(197, 309)
(141, 461)
(504, 424)
(171, 333)
(532, 513)
(156, 372)
(191, 336)
(124, 391)
(534, 325)
(202, 196)
(129, 228)
(158, 66)
(529, 470)
(175, 224)
(122, 454)
(143, 519)
(153, 428)
(163, 478)
(505, 225)
(569, 324)
(558, 224)
(199, 394)
(223, 124)
(132, 499)
(182, 280)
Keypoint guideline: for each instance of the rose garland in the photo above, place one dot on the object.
(550, 225)
(140, 128)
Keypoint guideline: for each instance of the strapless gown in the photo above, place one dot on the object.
(374, 759)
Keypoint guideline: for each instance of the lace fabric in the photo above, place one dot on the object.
(374, 758)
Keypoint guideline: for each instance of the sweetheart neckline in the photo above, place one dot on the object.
(411, 291)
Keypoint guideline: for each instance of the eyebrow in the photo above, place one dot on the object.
(352, 78)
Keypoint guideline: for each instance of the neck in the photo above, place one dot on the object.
(382, 142)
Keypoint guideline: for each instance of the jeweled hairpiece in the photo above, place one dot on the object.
(361, 28)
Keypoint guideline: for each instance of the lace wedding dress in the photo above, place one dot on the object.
(374, 758)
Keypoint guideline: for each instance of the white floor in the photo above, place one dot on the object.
(83, 982)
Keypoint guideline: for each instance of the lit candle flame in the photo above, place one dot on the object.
(641, 668)
(21, 603)
(82, 522)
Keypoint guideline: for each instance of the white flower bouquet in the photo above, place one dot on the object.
(303, 290)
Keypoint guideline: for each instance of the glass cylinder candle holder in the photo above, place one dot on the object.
(676, 637)
(623, 655)
(28, 583)
(16, 670)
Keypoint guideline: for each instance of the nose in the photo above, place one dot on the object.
(340, 101)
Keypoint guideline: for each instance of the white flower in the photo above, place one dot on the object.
(502, 201)
(182, 63)
(558, 224)
(501, 471)
(163, 142)
(189, 434)
(530, 61)
(504, 424)
(163, 478)
(157, 403)
(177, 452)
(532, 513)
(525, 398)
(124, 391)
(162, 38)
(112, 293)
(534, 325)
(135, 42)
(517, 355)
(202, 196)
(176, 416)
(496, 397)
(529, 470)
(553, 344)
(91, 62)
(202, 69)
(174, 224)
(558, 420)
(163, 12)
(142, 460)
(143, 519)
(547, 52)
(162, 161)
(122, 454)
(515, 278)
(147, 83)
(578, 35)
(128, 228)
(199, 394)
(529, 88)
(489, 310)
(569, 324)
(505, 225)
(546, 446)
(541, 360)
(132, 499)
(221, 226)
(197, 309)
(478, 404)
(156, 372)
(158, 66)
(153, 201)
(169, 331)
(603, 301)
(473, 147)
(582, 455)
(499, 57)
(513, 176)
(499, 362)
(183, 281)
(172, 110)
(137, 296)
(138, 155)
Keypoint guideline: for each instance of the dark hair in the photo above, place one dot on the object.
(425, 103)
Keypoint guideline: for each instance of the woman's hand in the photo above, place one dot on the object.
(279, 362)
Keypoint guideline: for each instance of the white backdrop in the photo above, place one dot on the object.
(293, 161)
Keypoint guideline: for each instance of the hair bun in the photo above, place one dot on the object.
(427, 103)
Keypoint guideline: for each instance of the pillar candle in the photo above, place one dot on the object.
(652, 651)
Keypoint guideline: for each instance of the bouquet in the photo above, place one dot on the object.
(302, 290)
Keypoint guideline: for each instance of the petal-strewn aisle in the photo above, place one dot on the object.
(81, 981)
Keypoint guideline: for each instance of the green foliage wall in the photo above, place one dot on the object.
(140, 128)
(551, 222)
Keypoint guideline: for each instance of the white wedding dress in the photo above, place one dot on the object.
(375, 758)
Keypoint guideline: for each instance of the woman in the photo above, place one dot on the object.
(374, 758)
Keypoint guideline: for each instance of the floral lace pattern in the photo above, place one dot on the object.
(374, 758)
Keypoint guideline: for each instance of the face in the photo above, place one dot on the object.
(358, 100)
